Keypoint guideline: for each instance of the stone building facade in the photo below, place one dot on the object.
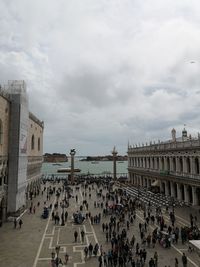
(20, 161)
(35, 155)
(4, 138)
(173, 166)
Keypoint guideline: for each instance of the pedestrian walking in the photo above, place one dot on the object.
(86, 251)
(176, 262)
(184, 260)
(75, 236)
(15, 223)
(155, 259)
(82, 236)
(20, 223)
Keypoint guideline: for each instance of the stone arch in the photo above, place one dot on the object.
(163, 189)
(169, 187)
(182, 192)
(162, 164)
(196, 163)
(145, 162)
(175, 190)
(148, 159)
(153, 163)
(157, 159)
(198, 195)
(181, 164)
(189, 192)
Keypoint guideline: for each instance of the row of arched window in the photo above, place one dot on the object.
(33, 143)
(32, 138)
(176, 164)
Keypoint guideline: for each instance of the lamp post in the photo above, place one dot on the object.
(72, 154)
(114, 153)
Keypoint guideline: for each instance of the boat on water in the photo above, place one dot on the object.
(95, 162)
(120, 161)
(56, 164)
(68, 170)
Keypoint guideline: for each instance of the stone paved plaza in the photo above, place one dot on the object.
(31, 246)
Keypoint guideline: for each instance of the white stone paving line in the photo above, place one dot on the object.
(43, 237)
(77, 248)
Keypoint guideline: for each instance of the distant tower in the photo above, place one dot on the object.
(173, 135)
(114, 153)
(184, 134)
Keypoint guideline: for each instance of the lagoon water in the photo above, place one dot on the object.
(86, 167)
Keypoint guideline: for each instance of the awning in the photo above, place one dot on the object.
(155, 183)
(195, 243)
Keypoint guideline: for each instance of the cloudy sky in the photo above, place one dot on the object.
(102, 72)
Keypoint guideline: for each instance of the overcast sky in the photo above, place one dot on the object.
(102, 72)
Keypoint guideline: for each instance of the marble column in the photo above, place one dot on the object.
(184, 165)
(160, 164)
(165, 163)
(177, 164)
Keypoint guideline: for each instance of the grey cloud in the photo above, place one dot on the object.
(102, 72)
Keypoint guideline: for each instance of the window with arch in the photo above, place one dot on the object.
(38, 144)
(1, 132)
(32, 142)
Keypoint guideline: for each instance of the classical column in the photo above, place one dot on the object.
(114, 153)
(160, 164)
(184, 165)
(194, 196)
(165, 163)
(186, 193)
(72, 154)
(177, 164)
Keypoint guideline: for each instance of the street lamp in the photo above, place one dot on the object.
(72, 154)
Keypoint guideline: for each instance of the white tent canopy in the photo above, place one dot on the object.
(155, 183)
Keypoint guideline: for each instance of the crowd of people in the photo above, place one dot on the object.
(116, 212)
